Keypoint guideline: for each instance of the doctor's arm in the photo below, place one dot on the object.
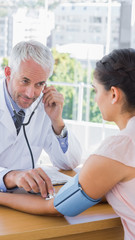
(33, 179)
(3, 172)
(53, 104)
(65, 152)
(96, 178)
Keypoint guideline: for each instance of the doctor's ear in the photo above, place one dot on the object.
(7, 71)
(115, 94)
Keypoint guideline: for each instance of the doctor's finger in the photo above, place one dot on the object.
(22, 183)
(56, 98)
(49, 89)
(42, 186)
(48, 183)
(30, 181)
(50, 93)
(42, 181)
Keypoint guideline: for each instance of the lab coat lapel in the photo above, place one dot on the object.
(6, 120)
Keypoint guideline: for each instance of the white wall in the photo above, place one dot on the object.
(90, 135)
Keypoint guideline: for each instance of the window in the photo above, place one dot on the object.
(76, 31)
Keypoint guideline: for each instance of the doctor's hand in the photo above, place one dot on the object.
(34, 179)
(53, 104)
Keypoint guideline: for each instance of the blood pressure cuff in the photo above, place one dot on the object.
(71, 200)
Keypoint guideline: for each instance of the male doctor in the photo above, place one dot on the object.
(23, 91)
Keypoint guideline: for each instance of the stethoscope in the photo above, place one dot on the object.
(25, 124)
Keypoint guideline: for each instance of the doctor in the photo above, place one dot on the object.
(31, 64)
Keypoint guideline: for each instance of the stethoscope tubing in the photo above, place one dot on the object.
(24, 130)
(31, 154)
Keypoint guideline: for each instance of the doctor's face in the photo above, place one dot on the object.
(26, 84)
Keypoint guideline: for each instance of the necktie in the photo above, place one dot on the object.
(19, 117)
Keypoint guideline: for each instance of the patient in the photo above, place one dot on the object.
(110, 171)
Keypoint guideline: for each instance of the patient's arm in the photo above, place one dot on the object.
(100, 174)
(29, 203)
(97, 177)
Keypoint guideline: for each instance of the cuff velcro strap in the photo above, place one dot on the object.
(71, 200)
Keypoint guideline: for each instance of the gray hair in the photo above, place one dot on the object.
(26, 50)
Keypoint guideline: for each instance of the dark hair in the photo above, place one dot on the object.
(118, 69)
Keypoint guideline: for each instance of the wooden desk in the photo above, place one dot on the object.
(98, 222)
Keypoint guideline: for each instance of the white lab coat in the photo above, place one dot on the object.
(14, 153)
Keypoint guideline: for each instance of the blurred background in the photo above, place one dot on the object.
(78, 33)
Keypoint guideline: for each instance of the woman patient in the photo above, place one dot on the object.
(110, 171)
